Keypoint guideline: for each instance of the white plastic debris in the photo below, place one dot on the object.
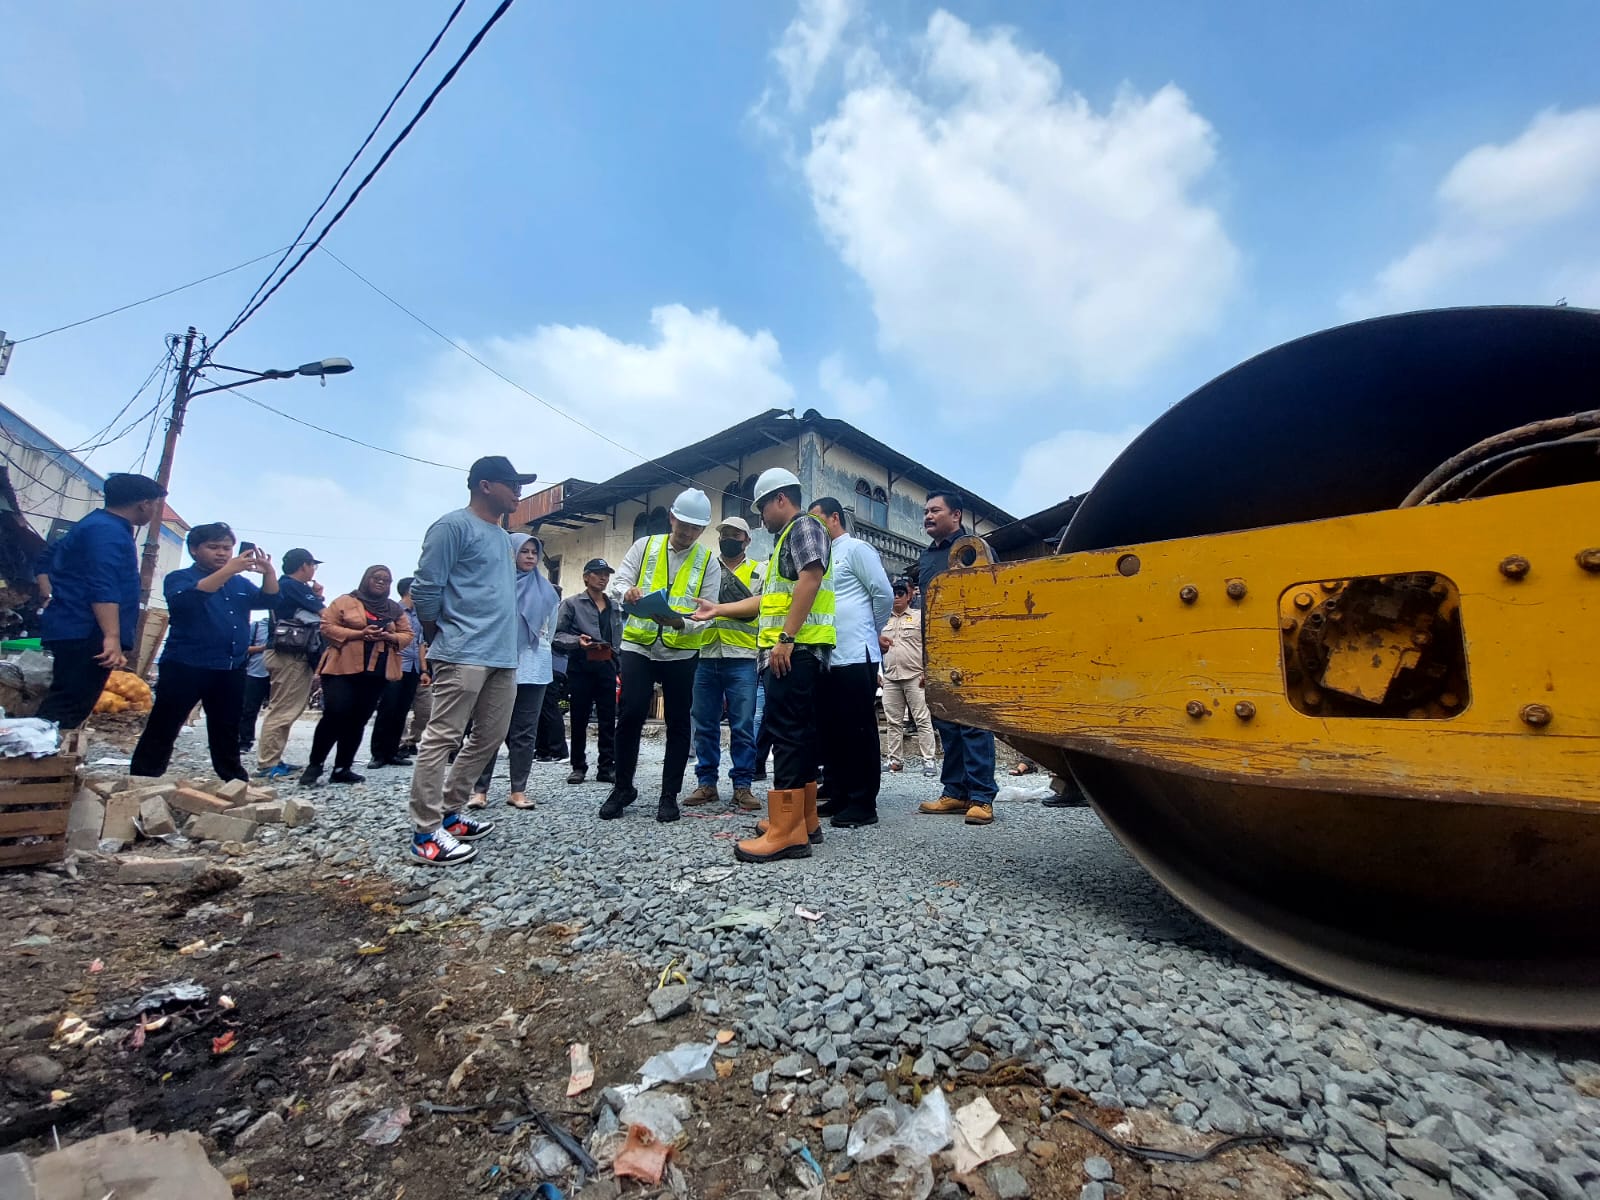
(913, 1137)
(687, 1062)
(978, 1136)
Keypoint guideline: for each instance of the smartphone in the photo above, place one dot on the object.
(246, 547)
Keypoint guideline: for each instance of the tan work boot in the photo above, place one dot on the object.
(785, 833)
(746, 799)
(980, 814)
(944, 806)
(813, 819)
(706, 793)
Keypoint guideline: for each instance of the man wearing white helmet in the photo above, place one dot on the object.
(795, 634)
(664, 652)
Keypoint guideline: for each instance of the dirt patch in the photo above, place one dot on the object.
(311, 965)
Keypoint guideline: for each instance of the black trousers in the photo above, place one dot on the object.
(640, 674)
(592, 687)
(394, 706)
(847, 734)
(348, 702)
(256, 690)
(179, 687)
(552, 739)
(520, 736)
(792, 721)
(76, 682)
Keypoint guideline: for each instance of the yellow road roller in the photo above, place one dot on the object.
(1322, 647)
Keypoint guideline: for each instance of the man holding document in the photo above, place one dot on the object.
(664, 577)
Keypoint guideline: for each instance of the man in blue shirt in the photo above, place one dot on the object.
(88, 625)
(257, 683)
(207, 644)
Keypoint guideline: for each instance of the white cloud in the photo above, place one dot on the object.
(849, 397)
(1011, 236)
(1490, 203)
(1064, 465)
(808, 43)
(698, 374)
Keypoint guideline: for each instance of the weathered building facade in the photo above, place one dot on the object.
(580, 520)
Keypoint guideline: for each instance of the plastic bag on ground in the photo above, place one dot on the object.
(662, 1113)
(643, 1156)
(545, 1159)
(384, 1128)
(1013, 793)
(912, 1137)
(687, 1062)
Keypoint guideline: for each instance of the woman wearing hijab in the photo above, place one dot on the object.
(537, 605)
(364, 632)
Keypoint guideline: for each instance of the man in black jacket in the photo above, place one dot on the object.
(589, 633)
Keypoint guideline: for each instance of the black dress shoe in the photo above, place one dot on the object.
(829, 808)
(618, 800)
(579, 774)
(853, 818)
(311, 776)
(605, 775)
(667, 810)
(400, 760)
(377, 764)
(345, 775)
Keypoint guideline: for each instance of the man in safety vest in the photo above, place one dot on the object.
(662, 650)
(794, 632)
(727, 676)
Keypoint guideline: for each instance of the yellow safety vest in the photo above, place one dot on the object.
(685, 588)
(729, 631)
(777, 593)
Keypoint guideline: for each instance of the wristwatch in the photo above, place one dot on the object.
(786, 639)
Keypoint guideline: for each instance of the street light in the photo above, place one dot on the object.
(184, 392)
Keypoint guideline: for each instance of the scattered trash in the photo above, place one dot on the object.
(71, 1030)
(715, 874)
(32, 736)
(742, 917)
(193, 947)
(642, 1156)
(221, 1045)
(801, 911)
(366, 948)
(1011, 794)
(668, 974)
(662, 1113)
(978, 1136)
(226, 1001)
(96, 967)
(805, 1156)
(185, 991)
(724, 1067)
(346, 1101)
(57, 1096)
(36, 939)
(380, 1043)
(112, 762)
(546, 1159)
(724, 1036)
(384, 1128)
(684, 1063)
(459, 1075)
(913, 1137)
(581, 1078)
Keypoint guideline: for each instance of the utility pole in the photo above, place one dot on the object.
(152, 537)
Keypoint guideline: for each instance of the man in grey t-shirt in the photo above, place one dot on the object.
(465, 595)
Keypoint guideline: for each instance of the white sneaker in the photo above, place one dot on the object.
(440, 849)
(930, 769)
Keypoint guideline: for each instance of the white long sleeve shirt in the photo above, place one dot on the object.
(627, 576)
(862, 600)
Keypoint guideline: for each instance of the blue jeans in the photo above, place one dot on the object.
(714, 680)
(968, 762)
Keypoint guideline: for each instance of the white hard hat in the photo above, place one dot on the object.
(771, 480)
(692, 507)
(738, 523)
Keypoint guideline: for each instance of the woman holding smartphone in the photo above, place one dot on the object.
(364, 632)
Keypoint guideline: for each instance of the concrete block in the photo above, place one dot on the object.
(268, 812)
(221, 827)
(131, 1166)
(146, 790)
(106, 785)
(233, 791)
(121, 809)
(257, 794)
(84, 820)
(134, 868)
(191, 800)
(16, 1177)
(297, 813)
(155, 818)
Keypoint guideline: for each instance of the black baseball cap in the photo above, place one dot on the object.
(121, 489)
(294, 559)
(496, 468)
(598, 564)
(901, 585)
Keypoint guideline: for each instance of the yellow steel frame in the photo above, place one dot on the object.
(1077, 652)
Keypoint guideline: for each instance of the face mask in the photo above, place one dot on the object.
(731, 547)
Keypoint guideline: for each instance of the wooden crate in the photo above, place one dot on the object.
(35, 797)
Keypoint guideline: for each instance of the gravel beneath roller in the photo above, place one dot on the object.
(1035, 937)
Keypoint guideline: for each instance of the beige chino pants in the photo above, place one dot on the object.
(901, 696)
(291, 688)
(481, 695)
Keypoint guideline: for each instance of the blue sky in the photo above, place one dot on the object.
(1000, 237)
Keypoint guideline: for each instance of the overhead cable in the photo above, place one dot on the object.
(360, 150)
(477, 39)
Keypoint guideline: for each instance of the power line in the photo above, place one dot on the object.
(361, 149)
(404, 133)
(504, 378)
(155, 417)
(343, 437)
(111, 312)
(99, 440)
(323, 537)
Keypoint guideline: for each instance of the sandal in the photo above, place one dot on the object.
(1024, 768)
(511, 801)
(479, 800)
